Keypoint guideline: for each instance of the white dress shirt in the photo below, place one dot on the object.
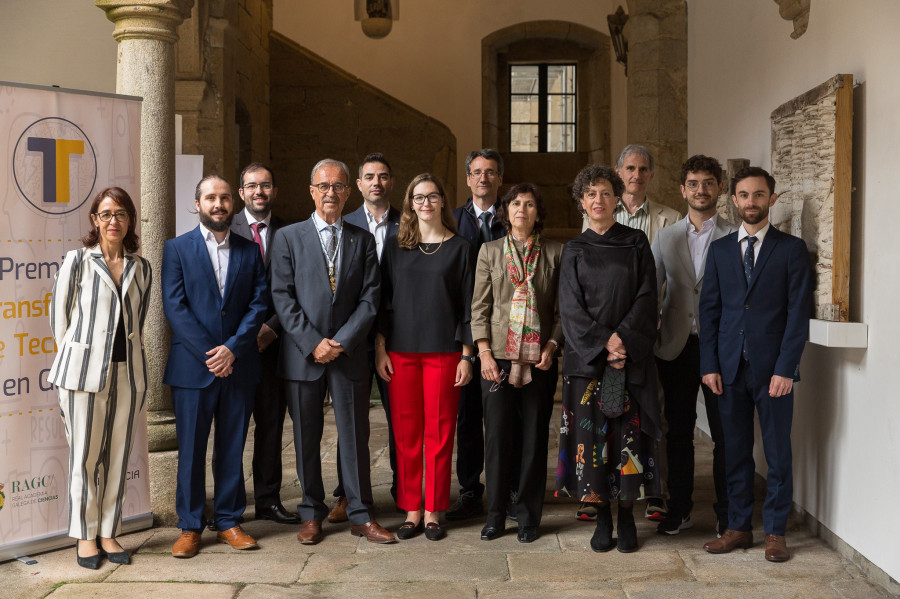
(698, 241)
(378, 228)
(742, 241)
(218, 255)
(251, 220)
(478, 212)
(325, 238)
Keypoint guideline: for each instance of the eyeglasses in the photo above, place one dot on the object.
(708, 184)
(490, 174)
(252, 187)
(337, 187)
(433, 198)
(495, 386)
(120, 215)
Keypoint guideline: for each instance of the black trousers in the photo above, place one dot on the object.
(522, 414)
(392, 451)
(680, 379)
(269, 409)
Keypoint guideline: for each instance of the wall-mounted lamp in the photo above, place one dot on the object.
(616, 22)
(377, 17)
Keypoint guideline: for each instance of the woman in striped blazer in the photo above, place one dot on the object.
(97, 314)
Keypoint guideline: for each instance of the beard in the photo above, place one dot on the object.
(754, 219)
(206, 219)
(257, 213)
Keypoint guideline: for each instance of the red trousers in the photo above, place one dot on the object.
(424, 405)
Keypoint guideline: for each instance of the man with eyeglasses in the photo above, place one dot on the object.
(680, 255)
(476, 221)
(381, 220)
(257, 223)
(325, 286)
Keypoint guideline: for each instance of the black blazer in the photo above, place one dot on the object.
(468, 225)
(358, 218)
(308, 311)
(240, 226)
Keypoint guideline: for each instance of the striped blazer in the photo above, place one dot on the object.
(84, 314)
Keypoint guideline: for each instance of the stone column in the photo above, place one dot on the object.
(657, 90)
(146, 33)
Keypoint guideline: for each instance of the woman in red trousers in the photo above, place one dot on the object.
(424, 347)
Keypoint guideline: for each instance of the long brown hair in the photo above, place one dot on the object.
(408, 235)
(120, 197)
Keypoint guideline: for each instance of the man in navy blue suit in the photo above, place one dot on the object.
(214, 297)
(754, 321)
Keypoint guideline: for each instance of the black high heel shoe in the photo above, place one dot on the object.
(117, 557)
(91, 562)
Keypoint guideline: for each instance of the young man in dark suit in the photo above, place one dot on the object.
(326, 286)
(214, 297)
(257, 223)
(754, 321)
(378, 217)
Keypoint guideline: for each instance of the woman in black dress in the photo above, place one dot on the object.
(608, 307)
(423, 347)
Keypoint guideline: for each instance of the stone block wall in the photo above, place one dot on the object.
(320, 111)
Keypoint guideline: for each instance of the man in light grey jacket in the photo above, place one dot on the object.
(680, 254)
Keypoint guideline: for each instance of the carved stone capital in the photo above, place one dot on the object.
(146, 19)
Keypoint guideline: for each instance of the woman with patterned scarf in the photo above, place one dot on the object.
(515, 325)
(610, 411)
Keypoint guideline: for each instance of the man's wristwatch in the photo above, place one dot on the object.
(469, 359)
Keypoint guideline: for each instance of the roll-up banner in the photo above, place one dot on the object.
(58, 148)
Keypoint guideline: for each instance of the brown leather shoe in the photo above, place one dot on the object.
(310, 532)
(373, 533)
(729, 540)
(237, 538)
(187, 545)
(338, 512)
(776, 549)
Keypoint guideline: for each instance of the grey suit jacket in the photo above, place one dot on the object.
(239, 225)
(678, 285)
(84, 315)
(493, 295)
(308, 311)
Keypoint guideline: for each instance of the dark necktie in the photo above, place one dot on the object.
(257, 237)
(749, 258)
(332, 250)
(484, 231)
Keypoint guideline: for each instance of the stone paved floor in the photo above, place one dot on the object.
(559, 564)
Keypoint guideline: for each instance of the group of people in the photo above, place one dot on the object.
(459, 317)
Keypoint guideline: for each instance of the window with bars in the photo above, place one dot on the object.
(542, 107)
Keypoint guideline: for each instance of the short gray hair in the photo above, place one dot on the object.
(327, 162)
(487, 154)
(635, 149)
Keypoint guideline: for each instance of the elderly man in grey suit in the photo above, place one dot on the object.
(325, 287)
(680, 255)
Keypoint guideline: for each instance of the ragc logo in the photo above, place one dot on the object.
(54, 165)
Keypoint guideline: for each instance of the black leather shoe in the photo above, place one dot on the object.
(433, 531)
(489, 533)
(602, 540)
(467, 506)
(276, 513)
(511, 509)
(118, 557)
(527, 534)
(91, 562)
(626, 531)
(211, 524)
(408, 530)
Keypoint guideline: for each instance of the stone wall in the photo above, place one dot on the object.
(319, 111)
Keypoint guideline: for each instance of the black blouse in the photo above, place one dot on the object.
(426, 299)
(119, 351)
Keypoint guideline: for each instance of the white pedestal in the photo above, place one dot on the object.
(838, 334)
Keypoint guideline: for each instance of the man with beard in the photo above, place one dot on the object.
(214, 296)
(754, 320)
(381, 220)
(680, 253)
(326, 286)
(257, 223)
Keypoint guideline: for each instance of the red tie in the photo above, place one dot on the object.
(257, 227)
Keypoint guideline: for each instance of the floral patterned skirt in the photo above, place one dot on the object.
(603, 458)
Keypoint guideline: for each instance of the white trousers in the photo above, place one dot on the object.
(100, 431)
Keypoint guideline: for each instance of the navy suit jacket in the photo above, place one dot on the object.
(307, 309)
(469, 226)
(358, 218)
(772, 312)
(201, 319)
